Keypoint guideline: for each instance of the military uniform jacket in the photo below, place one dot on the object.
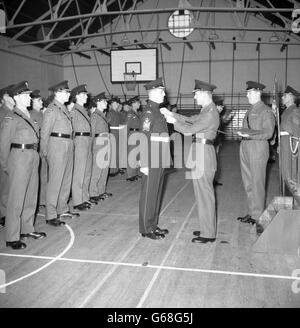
(4, 111)
(55, 119)
(99, 124)
(290, 121)
(81, 120)
(132, 120)
(37, 116)
(113, 118)
(261, 119)
(16, 128)
(206, 123)
(154, 126)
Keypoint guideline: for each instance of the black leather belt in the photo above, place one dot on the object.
(82, 134)
(61, 135)
(132, 129)
(203, 141)
(25, 146)
(97, 135)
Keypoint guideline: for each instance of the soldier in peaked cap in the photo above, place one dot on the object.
(101, 149)
(57, 146)
(7, 104)
(83, 150)
(19, 157)
(258, 128)
(290, 138)
(115, 125)
(133, 125)
(37, 115)
(154, 126)
(203, 128)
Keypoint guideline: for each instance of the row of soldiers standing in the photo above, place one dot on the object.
(47, 157)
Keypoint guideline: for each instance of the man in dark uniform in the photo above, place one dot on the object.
(114, 120)
(203, 128)
(20, 159)
(290, 138)
(58, 148)
(133, 126)
(37, 115)
(154, 126)
(83, 150)
(7, 105)
(101, 147)
(258, 128)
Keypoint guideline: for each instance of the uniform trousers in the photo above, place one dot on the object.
(23, 180)
(82, 170)
(150, 200)
(100, 168)
(60, 164)
(254, 157)
(3, 192)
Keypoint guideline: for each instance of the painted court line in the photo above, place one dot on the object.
(107, 276)
(163, 267)
(54, 259)
(148, 289)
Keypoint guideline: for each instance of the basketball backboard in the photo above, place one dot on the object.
(143, 62)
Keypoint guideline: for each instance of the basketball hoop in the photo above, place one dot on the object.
(130, 81)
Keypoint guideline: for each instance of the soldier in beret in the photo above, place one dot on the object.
(7, 104)
(101, 148)
(83, 150)
(154, 126)
(19, 141)
(203, 128)
(258, 128)
(290, 138)
(57, 146)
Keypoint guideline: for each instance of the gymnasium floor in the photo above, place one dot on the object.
(100, 260)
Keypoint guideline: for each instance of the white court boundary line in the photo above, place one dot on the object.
(54, 259)
(163, 267)
(148, 289)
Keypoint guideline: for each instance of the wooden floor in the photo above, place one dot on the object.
(100, 260)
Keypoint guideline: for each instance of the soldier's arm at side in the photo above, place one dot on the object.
(47, 127)
(268, 127)
(146, 126)
(7, 130)
(296, 123)
(203, 122)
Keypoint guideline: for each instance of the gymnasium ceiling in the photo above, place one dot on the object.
(41, 35)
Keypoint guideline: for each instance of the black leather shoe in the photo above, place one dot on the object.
(55, 222)
(161, 231)
(81, 207)
(153, 235)
(97, 198)
(2, 222)
(132, 178)
(93, 200)
(203, 240)
(245, 219)
(34, 235)
(16, 244)
(106, 195)
(259, 228)
(68, 215)
(196, 233)
(217, 183)
(122, 171)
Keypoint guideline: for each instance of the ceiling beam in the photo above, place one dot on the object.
(155, 30)
(28, 26)
(40, 21)
(11, 21)
(179, 41)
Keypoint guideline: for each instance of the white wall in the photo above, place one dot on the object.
(24, 63)
(196, 60)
